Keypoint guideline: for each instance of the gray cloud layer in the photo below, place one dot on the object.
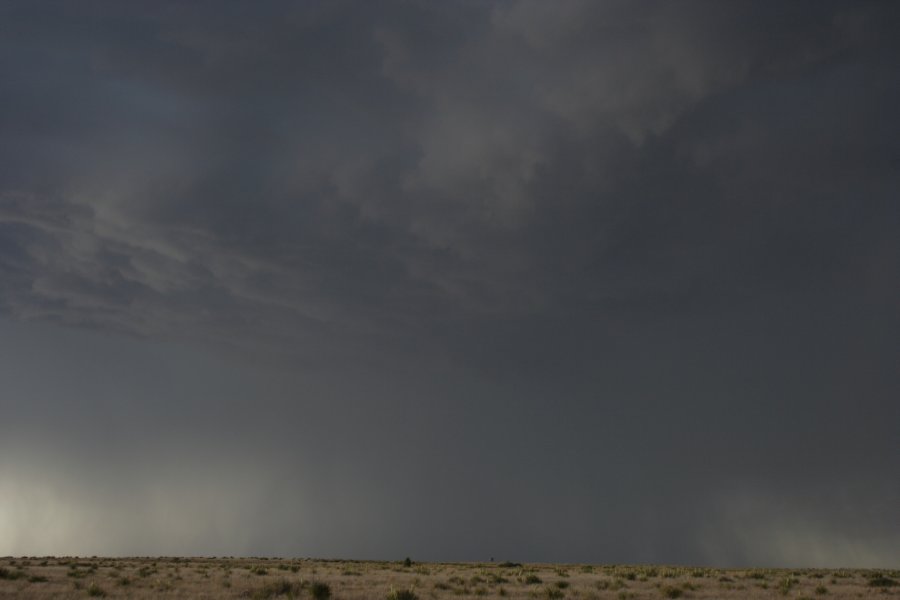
(560, 281)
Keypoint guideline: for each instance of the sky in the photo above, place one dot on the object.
(586, 281)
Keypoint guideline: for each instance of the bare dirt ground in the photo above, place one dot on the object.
(260, 578)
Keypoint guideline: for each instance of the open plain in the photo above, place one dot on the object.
(261, 578)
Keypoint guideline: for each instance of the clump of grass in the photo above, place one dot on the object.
(670, 573)
(146, 572)
(10, 575)
(785, 585)
(402, 595)
(510, 565)
(562, 584)
(842, 574)
(553, 593)
(95, 590)
(533, 579)
(821, 590)
(278, 588)
(672, 592)
(37, 579)
(320, 590)
(259, 570)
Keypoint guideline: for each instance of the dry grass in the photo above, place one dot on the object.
(260, 578)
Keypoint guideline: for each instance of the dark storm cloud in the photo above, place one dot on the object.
(667, 222)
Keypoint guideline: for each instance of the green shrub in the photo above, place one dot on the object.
(320, 590)
(672, 592)
(533, 579)
(879, 580)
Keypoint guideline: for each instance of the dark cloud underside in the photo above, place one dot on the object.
(588, 281)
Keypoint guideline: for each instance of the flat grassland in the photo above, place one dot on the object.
(261, 578)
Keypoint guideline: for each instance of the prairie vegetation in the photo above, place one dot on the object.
(264, 578)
